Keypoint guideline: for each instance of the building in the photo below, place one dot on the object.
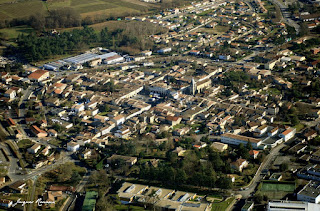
(160, 198)
(239, 164)
(5, 203)
(10, 93)
(124, 133)
(288, 134)
(310, 193)
(310, 173)
(291, 205)
(73, 146)
(130, 161)
(233, 139)
(164, 50)
(39, 75)
(219, 146)
(254, 154)
(118, 119)
(38, 132)
(34, 149)
(248, 206)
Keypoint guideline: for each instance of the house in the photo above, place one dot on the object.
(39, 164)
(5, 203)
(164, 50)
(239, 164)
(130, 161)
(53, 133)
(200, 145)
(10, 93)
(86, 154)
(173, 120)
(2, 180)
(73, 146)
(11, 122)
(181, 131)
(288, 134)
(119, 119)
(124, 132)
(38, 132)
(232, 177)
(254, 154)
(179, 151)
(17, 187)
(39, 75)
(219, 146)
(52, 196)
(310, 134)
(46, 150)
(34, 149)
(146, 53)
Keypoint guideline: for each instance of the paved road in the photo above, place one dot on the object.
(257, 178)
(64, 158)
(286, 15)
(73, 197)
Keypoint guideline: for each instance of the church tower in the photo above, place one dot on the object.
(193, 88)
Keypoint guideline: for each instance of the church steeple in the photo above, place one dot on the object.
(193, 87)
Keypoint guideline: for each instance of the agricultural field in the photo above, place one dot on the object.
(13, 9)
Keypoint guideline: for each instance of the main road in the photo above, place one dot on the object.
(250, 188)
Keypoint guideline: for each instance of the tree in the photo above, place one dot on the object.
(181, 177)
(304, 30)
(65, 173)
(258, 198)
(284, 166)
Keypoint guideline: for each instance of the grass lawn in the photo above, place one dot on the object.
(56, 142)
(222, 206)
(299, 127)
(128, 207)
(221, 29)
(12, 33)
(24, 143)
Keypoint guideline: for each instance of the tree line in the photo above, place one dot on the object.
(57, 18)
(35, 48)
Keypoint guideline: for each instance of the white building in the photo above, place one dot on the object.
(310, 193)
(233, 139)
(34, 149)
(73, 146)
(164, 50)
(123, 133)
(288, 134)
(118, 119)
(291, 205)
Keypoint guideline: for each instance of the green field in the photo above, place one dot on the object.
(277, 190)
(24, 8)
(222, 206)
(13, 32)
(288, 187)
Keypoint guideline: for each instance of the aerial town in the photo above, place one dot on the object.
(220, 110)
